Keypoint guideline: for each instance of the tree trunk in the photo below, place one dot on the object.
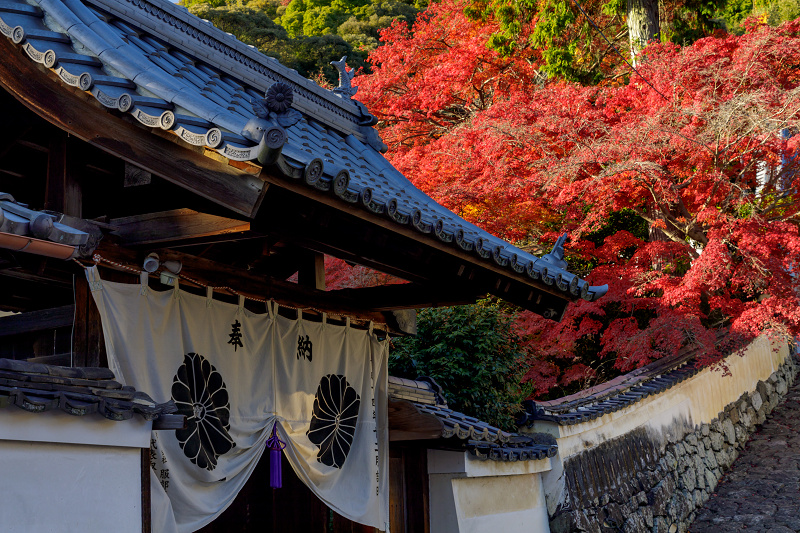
(643, 24)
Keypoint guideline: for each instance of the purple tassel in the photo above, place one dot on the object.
(275, 446)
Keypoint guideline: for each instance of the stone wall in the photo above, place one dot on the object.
(645, 481)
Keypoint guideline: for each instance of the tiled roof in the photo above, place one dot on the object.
(44, 233)
(512, 451)
(482, 440)
(615, 394)
(37, 387)
(171, 71)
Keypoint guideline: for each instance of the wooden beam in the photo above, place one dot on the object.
(406, 422)
(160, 153)
(426, 244)
(179, 227)
(33, 321)
(59, 359)
(172, 421)
(88, 345)
(10, 137)
(408, 296)
(281, 264)
(33, 146)
(146, 472)
(12, 173)
(321, 228)
(255, 285)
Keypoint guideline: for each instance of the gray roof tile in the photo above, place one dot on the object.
(37, 387)
(74, 237)
(616, 394)
(156, 50)
(482, 440)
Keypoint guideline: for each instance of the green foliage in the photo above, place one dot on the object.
(773, 12)
(357, 21)
(624, 219)
(614, 7)
(692, 20)
(308, 55)
(307, 35)
(474, 353)
(568, 46)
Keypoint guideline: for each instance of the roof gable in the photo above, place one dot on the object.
(173, 72)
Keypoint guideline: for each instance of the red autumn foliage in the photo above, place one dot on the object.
(705, 155)
(341, 275)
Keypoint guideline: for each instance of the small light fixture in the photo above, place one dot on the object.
(173, 266)
(151, 263)
(168, 278)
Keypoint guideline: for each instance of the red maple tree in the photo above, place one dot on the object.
(700, 150)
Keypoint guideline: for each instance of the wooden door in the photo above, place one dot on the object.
(408, 488)
(290, 509)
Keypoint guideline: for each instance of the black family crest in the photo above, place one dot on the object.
(199, 393)
(333, 420)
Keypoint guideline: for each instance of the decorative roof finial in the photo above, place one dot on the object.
(279, 97)
(345, 87)
(556, 255)
(276, 106)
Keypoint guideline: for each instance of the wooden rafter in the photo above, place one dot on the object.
(406, 422)
(407, 296)
(162, 154)
(326, 229)
(256, 286)
(180, 227)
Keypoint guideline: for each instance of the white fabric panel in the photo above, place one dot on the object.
(235, 374)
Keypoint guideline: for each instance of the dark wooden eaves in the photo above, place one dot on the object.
(258, 286)
(406, 422)
(79, 114)
(328, 225)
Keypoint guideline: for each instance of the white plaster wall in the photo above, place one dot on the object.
(472, 496)
(57, 487)
(667, 416)
(58, 426)
(697, 400)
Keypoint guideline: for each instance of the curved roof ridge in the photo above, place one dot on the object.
(173, 72)
(163, 19)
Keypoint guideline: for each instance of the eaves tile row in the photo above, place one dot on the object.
(482, 440)
(595, 406)
(171, 71)
(36, 388)
(22, 228)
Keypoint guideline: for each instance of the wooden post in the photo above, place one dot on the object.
(312, 271)
(146, 523)
(88, 347)
(62, 191)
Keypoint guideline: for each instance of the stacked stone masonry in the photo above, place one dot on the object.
(634, 484)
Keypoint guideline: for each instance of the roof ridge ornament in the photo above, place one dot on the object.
(277, 106)
(556, 255)
(345, 88)
(273, 113)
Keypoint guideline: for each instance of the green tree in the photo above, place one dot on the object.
(307, 35)
(474, 353)
(308, 55)
(773, 12)
(357, 21)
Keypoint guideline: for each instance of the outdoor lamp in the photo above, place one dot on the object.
(173, 266)
(151, 263)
